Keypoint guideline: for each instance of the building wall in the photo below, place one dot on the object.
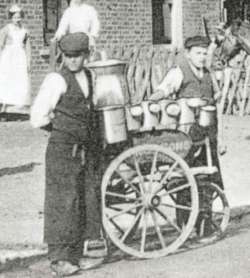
(124, 23)
(194, 10)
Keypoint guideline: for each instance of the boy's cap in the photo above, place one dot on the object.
(200, 41)
(74, 43)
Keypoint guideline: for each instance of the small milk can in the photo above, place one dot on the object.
(134, 115)
(170, 111)
(187, 116)
(151, 114)
(207, 116)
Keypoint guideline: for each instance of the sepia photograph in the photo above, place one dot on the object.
(124, 138)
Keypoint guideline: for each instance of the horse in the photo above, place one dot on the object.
(229, 59)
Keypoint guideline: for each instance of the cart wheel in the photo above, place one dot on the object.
(139, 200)
(214, 213)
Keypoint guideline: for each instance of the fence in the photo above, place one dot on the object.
(148, 65)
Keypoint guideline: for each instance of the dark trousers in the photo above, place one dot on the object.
(198, 133)
(72, 210)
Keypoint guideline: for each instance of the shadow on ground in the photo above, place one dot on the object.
(12, 117)
(18, 169)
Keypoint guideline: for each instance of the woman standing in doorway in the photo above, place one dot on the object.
(79, 17)
(14, 64)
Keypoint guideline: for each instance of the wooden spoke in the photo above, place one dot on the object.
(124, 211)
(138, 170)
(153, 169)
(166, 177)
(128, 182)
(215, 197)
(177, 189)
(119, 209)
(132, 226)
(173, 198)
(116, 226)
(169, 172)
(216, 226)
(113, 194)
(177, 206)
(158, 229)
(144, 231)
(168, 219)
(202, 227)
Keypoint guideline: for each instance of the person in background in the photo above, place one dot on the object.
(15, 59)
(64, 106)
(79, 17)
(191, 79)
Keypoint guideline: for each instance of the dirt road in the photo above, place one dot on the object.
(227, 258)
(21, 207)
(22, 176)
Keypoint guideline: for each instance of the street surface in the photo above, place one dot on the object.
(227, 258)
(21, 209)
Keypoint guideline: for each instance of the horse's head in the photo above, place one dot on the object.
(231, 42)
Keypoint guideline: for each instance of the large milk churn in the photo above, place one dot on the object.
(110, 82)
(110, 96)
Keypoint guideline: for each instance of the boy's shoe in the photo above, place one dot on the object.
(90, 263)
(64, 268)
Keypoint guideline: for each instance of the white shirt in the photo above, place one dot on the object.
(51, 90)
(173, 80)
(83, 18)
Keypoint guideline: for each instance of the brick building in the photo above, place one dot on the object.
(124, 22)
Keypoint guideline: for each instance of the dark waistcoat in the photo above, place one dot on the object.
(73, 112)
(192, 86)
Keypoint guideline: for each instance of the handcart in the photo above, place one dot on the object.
(152, 201)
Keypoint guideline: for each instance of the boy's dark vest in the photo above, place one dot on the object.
(73, 113)
(193, 86)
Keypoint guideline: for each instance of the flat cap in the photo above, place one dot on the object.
(200, 41)
(74, 43)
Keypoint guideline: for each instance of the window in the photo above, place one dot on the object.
(161, 10)
(52, 11)
(51, 15)
(167, 22)
(236, 9)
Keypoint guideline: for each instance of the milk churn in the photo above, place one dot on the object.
(110, 96)
(110, 82)
(113, 123)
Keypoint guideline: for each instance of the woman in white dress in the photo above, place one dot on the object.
(14, 64)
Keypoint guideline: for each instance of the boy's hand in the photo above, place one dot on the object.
(222, 148)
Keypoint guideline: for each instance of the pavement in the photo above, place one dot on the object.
(22, 185)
